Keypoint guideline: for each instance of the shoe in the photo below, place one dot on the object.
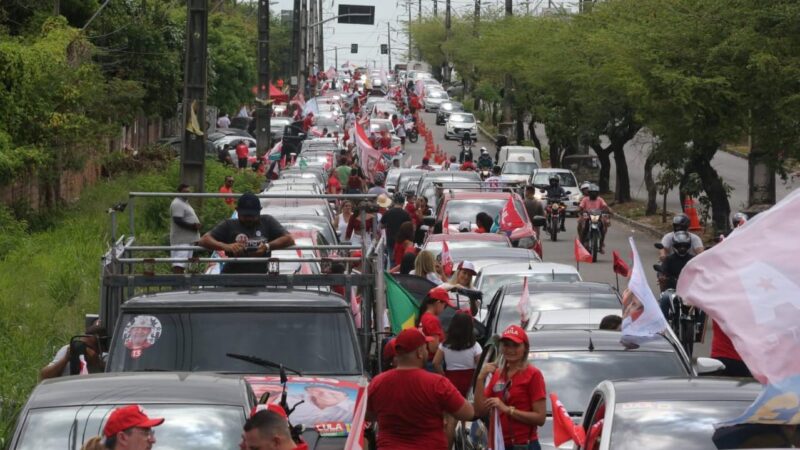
(563, 228)
(603, 249)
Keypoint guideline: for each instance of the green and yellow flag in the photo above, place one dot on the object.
(403, 307)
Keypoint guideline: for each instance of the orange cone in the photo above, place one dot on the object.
(689, 209)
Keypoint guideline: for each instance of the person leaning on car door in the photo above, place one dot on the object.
(82, 350)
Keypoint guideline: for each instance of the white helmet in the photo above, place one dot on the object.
(483, 150)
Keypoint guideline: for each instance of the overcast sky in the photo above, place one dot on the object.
(395, 13)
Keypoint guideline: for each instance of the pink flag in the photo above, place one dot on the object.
(368, 156)
(748, 284)
(419, 88)
(641, 315)
(447, 260)
(355, 439)
(298, 100)
(524, 305)
(84, 367)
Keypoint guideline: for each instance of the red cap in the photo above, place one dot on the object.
(409, 340)
(389, 352)
(516, 334)
(441, 294)
(277, 409)
(127, 417)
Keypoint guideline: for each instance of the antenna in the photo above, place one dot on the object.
(591, 344)
(554, 274)
(529, 265)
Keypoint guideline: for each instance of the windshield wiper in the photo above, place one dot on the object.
(262, 362)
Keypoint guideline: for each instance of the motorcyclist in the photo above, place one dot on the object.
(680, 223)
(466, 148)
(739, 219)
(485, 161)
(674, 263)
(591, 202)
(554, 195)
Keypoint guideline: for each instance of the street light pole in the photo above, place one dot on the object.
(389, 43)
(321, 59)
(263, 106)
(507, 81)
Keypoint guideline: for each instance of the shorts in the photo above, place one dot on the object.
(180, 254)
(243, 163)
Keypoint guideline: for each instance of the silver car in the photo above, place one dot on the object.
(434, 98)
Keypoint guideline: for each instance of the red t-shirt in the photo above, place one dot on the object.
(242, 151)
(334, 186)
(400, 251)
(226, 190)
(721, 345)
(307, 122)
(527, 387)
(430, 326)
(412, 211)
(410, 405)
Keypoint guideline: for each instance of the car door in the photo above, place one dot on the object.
(493, 310)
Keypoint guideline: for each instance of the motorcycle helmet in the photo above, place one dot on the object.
(680, 223)
(483, 150)
(467, 137)
(554, 180)
(594, 191)
(585, 187)
(681, 242)
(739, 219)
(497, 170)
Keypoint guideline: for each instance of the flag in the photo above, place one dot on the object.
(564, 429)
(84, 368)
(445, 225)
(330, 73)
(748, 284)
(355, 439)
(581, 254)
(510, 219)
(368, 156)
(524, 305)
(496, 433)
(447, 260)
(620, 266)
(298, 99)
(283, 162)
(419, 88)
(641, 314)
(403, 307)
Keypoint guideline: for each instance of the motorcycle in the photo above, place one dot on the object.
(412, 133)
(485, 173)
(555, 218)
(686, 321)
(592, 232)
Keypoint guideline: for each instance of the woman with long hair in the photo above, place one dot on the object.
(516, 390)
(403, 243)
(484, 222)
(342, 219)
(428, 318)
(427, 266)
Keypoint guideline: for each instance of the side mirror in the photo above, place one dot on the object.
(658, 245)
(708, 365)
(539, 221)
(429, 221)
(543, 191)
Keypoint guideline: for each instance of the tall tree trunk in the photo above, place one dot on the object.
(760, 174)
(604, 155)
(713, 187)
(650, 184)
(623, 192)
(532, 130)
(520, 127)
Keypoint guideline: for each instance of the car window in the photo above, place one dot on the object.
(310, 341)
(553, 301)
(520, 168)
(436, 246)
(209, 427)
(574, 374)
(490, 283)
(670, 425)
(466, 118)
(465, 210)
(565, 179)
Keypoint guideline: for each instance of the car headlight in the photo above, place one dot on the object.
(527, 242)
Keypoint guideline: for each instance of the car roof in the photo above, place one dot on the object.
(437, 175)
(527, 148)
(467, 237)
(463, 113)
(549, 340)
(523, 268)
(492, 253)
(571, 287)
(140, 387)
(552, 170)
(470, 195)
(237, 298)
(686, 389)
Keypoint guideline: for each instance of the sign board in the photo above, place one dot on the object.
(357, 9)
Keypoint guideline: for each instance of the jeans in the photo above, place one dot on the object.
(532, 445)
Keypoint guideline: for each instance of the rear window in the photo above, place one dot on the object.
(465, 210)
(314, 342)
(200, 427)
(520, 168)
(491, 283)
(565, 179)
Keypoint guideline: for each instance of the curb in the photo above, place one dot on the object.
(639, 225)
(734, 153)
(487, 135)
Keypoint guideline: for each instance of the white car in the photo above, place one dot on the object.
(493, 277)
(460, 123)
(433, 98)
(567, 180)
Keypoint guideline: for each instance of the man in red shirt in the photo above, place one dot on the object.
(409, 402)
(308, 122)
(227, 188)
(723, 350)
(242, 154)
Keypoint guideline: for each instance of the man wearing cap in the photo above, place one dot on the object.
(409, 403)
(128, 428)
(267, 429)
(251, 234)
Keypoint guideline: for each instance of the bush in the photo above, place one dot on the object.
(14, 231)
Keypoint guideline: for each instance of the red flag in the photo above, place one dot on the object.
(510, 219)
(445, 225)
(564, 429)
(355, 439)
(620, 266)
(524, 305)
(283, 162)
(447, 260)
(581, 254)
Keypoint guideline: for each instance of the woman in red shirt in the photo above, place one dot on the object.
(516, 390)
(428, 320)
(404, 243)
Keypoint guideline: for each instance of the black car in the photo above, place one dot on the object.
(201, 411)
(445, 109)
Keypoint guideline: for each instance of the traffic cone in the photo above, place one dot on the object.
(689, 209)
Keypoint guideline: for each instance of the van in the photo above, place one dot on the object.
(519, 153)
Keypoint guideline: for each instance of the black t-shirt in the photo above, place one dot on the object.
(392, 221)
(230, 231)
(672, 267)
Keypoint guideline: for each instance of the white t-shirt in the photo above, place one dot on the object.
(223, 122)
(182, 210)
(666, 241)
(461, 359)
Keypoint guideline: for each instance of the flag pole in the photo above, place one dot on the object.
(616, 275)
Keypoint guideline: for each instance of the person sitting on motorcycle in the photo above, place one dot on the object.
(554, 195)
(591, 202)
(466, 148)
(485, 160)
(680, 223)
(467, 165)
(674, 263)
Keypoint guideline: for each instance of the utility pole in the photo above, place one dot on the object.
(419, 11)
(321, 61)
(436, 9)
(263, 105)
(312, 37)
(447, 23)
(336, 58)
(507, 83)
(301, 78)
(389, 43)
(195, 77)
(408, 5)
(295, 59)
(477, 16)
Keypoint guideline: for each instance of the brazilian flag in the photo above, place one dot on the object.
(403, 307)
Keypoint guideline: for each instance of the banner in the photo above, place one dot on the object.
(641, 314)
(368, 157)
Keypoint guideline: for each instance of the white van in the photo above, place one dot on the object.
(519, 153)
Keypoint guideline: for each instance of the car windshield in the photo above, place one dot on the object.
(209, 427)
(466, 118)
(663, 425)
(197, 340)
(437, 94)
(574, 374)
(520, 168)
(566, 179)
(553, 301)
(490, 283)
(436, 246)
(465, 210)
(379, 127)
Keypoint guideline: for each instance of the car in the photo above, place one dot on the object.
(445, 109)
(380, 108)
(66, 412)
(379, 126)
(276, 126)
(427, 188)
(459, 123)
(519, 153)
(434, 98)
(459, 241)
(277, 184)
(299, 188)
(541, 180)
(460, 207)
(317, 203)
(518, 170)
(484, 256)
(296, 172)
(492, 278)
(573, 362)
(408, 181)
(667, 413)
(394, 174)
(308, 222)
(554, 305)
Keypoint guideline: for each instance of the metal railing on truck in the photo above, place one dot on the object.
(125, 275)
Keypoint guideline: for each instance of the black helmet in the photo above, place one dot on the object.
(680, 222)
(681, 242)
(554, 180)
(739, 219)
(497, 170)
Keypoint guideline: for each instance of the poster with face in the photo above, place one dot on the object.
(140, 333)
(327, 403)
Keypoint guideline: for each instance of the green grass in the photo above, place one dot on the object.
(50, 279)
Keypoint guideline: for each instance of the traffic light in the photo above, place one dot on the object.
(384, 49)
(353, 48)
